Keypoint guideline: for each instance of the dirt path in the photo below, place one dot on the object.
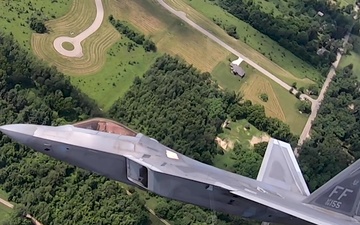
(76, 41)
(28, 216)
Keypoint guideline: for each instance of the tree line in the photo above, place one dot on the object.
(334, 142)
(52, 191)
(136, 37)
(302, 32)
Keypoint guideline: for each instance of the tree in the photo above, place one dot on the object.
(304, 107)
(264, 97)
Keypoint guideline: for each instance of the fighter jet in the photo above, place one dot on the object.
(279, 194)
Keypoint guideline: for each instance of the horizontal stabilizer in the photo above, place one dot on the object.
(280, 168)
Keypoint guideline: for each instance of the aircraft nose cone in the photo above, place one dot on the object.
(19, 132)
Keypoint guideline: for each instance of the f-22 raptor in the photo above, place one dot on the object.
(279, 194)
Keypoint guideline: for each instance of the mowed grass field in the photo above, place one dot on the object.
(281, 104)
(14, 14)
(258, 47)
(169, 33)
(78, 19)
(117, 75)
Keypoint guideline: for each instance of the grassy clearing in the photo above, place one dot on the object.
(4, 210)
(236, 132)
(258, 47)
(4, 213)
(107, 85)
(281, 103)
(68, 46)
(15, 13)
(352, 58)
(79, 18)
(170, 34)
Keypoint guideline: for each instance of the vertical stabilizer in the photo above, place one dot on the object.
(280, 168)
(341, 193)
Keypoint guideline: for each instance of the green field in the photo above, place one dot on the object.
(15, 13)
(107, 85)
(236, 132)
(256, 46)
(281, 103)
(4, 211)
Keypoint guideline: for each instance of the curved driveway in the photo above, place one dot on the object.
(76, 41)
(182, 16)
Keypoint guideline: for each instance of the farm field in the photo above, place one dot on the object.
(94, 47)
(15, 13)
(169, 33)
(258, 47)
(281, 103)
(119, 71)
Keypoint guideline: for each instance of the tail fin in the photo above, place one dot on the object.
(341, 193)
(280, 168)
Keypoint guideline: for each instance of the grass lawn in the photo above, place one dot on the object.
(107, 85)
(15, 13)
(281, 103)
(4, 213)
(237, 132)
(256, 46)
(353, 58)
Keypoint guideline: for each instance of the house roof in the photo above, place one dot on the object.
(238, 69)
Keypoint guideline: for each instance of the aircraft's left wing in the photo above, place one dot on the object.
(280, 168)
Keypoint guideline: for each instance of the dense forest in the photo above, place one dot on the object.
(54, 192)
(334, 142)
(302, 31)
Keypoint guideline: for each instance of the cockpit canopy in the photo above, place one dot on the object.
(105, 125)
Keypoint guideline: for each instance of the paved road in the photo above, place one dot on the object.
(182, 16)
(76, 41)
(316, 104)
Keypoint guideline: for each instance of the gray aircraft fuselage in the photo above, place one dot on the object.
(143, 162)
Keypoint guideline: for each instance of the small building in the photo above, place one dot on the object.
(320, 13)
(321, 51)
(236, 69)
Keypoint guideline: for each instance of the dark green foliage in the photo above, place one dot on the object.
(334, 142)
(264, 97)
(304, 107)
(260, 148)
(138, 38)
(299, 33)
(52, 191)
(37, 25)
(255, 114)
(178, 106)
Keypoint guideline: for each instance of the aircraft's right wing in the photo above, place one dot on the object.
(280, 168)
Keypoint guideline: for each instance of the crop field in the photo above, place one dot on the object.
(170, 34)
(281, 104)
(79, 18)
(256, 46)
